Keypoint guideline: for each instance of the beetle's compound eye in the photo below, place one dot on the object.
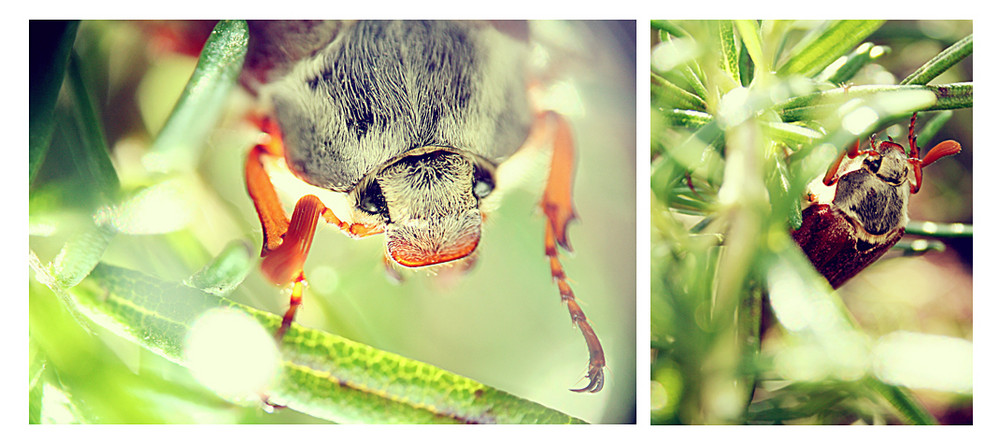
(371, 200)
(482, 182)
(873, 163)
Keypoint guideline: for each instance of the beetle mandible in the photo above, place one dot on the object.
(410, 120)
(868, 212)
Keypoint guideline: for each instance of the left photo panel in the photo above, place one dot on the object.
(332, 222)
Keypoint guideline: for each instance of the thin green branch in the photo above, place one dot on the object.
(948, 96)
(933, 126)
(939, 230)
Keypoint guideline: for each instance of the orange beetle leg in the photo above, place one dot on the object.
(557, 203)
(286, 242)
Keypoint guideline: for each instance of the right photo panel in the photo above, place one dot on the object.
(811, 222)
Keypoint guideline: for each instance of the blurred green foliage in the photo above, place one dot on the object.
(744, 115)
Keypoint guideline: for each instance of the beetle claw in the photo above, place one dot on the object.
(596, 376)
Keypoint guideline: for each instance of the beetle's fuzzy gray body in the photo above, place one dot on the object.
(410, 118)
(380, 89)
(864, 218)
(875, 195)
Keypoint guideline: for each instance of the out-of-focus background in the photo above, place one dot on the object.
(501, 323)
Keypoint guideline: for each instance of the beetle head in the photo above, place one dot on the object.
(888, 162)
(427, 199)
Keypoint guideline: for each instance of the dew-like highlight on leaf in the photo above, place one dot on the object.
(231, 354)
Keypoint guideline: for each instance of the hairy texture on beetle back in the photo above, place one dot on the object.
(878, 207)
(276, 46)
(383, 88)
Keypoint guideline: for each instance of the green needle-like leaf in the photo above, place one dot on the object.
(730, 50)
(932, 127)
(80, 255)
(323, 375)
(684, 118)
(91, 157)
(904, 402)
(865, 54)
(226, 271)
(667, 27)
(940, 63)
(179, 143)
(750, 34)
(665, 93)
(812, 57)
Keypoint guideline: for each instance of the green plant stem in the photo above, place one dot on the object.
(939, 230)
(948, 96)
(749, 321)
(940, 63)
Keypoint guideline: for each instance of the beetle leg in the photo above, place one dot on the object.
(918, 176)
(283, 265)
(286, 242)
(914, 150)
(557, 203)
(262, 192)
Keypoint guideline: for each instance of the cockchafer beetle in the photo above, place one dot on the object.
(410, 120)
(868, 211)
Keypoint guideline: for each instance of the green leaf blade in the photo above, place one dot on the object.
(323, 375)
(730, 50)
(178, 144)
(666, 94)
(750, 34)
